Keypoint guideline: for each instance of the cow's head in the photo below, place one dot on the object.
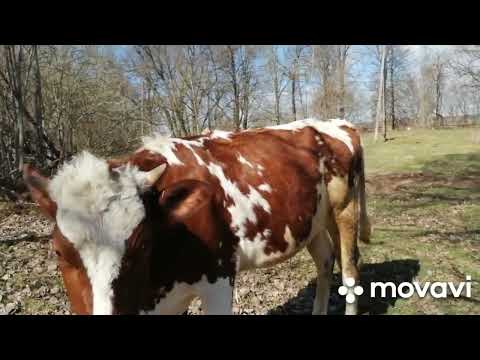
(104, 230)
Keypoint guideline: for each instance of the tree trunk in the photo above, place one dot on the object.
(277, 109)
(341, 81)
(294, 109)
(381, 95)
(20, 122)
(438, 95)
(392, 90)
(276, 88)
(142, 107)
(301, 100)
(384, 105)
(38, 106)
(236, 95)
(245, 113)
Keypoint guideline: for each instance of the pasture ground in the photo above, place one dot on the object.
(423, 191)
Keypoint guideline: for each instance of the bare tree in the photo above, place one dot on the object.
(278, 79)
(240, 73)
(433, 72)
(184, 85)
(439, 80)
(331, 62)
(294, 67)
(342, 54)
(397, 63)
(380, 113)
(467, 64)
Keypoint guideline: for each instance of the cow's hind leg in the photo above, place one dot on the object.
(343, 230)
(320, 248)
(349, 254)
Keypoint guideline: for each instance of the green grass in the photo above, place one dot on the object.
(424, 150)
(425, 209)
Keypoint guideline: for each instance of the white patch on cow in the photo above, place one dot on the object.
(175, 302)
(321, 166)
(265, 187)
(260, 169)
(162, 145)
(166, 146)
(236, 297)
(244, 161)
(319, 140)
(219, 134)
(197, 157)
(331, 128)
(103, 266)
(320, 217)
(242, 209)
(97, 214)
(289, 237)
(337, 189)
(257, 200)
(342, 122)
(216, 297)
(252, 252)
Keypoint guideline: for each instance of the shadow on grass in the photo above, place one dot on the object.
(453, 236)
(458, 165)
(453, 179)
(395, 271)
(428, 199)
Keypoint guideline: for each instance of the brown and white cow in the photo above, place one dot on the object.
(179, 218)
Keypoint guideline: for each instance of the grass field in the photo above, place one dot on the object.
(424, 201)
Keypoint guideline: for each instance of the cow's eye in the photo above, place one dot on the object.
(58, 253)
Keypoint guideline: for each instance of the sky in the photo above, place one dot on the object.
(364, 65)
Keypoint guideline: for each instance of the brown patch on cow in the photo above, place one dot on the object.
(74, 274)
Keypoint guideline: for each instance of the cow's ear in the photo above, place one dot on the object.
(184, 199)
(38, 186)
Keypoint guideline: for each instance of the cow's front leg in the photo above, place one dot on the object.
(216, 297)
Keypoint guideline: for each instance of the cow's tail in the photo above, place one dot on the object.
(364, 228)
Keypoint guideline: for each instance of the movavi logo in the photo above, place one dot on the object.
(437, 290)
